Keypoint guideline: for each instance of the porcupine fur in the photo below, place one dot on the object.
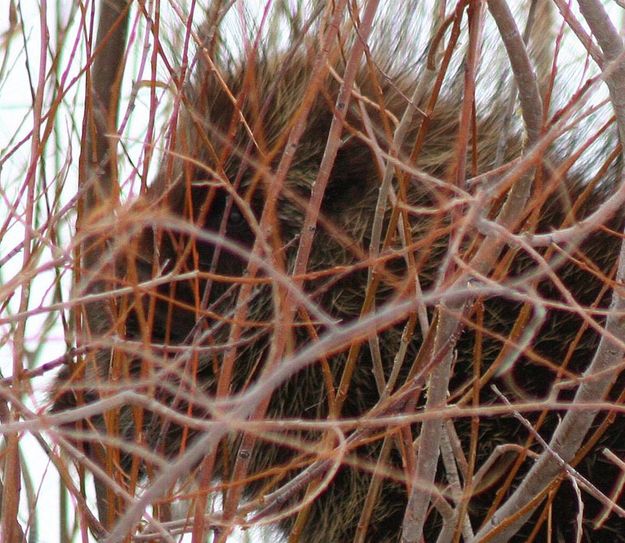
(212, 154)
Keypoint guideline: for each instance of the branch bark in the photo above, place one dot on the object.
(98, 184)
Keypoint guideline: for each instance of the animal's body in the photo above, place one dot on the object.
(224, 162)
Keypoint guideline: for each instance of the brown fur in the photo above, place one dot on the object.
(212, 155)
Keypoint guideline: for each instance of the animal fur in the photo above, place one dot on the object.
(214, 156)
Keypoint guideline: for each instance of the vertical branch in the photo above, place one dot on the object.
(10, 529)
(98, 165)
(446, 329)
(98, 182)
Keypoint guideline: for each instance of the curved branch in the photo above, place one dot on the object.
(570, 433)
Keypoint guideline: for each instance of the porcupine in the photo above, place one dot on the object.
(229, 142)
